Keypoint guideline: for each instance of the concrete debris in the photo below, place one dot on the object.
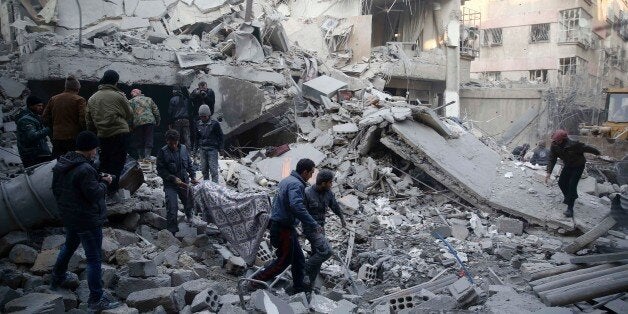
(322, 86)
(36, 303)
(170, 298)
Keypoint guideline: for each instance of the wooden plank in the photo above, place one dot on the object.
(597, 231)
(600, 258)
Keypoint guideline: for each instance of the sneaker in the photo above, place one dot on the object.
(568, 213)
(70, 282)
(103, 304)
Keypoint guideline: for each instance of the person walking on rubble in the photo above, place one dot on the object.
(572, 154)
(145, 118)
(80, 194)
(540, 155)
(108, 115)
(65, 114)
(288, 207)
(32, 143)
(318, 199)
(174, 166)
(210, 141)
(202, 95)
(178, 112)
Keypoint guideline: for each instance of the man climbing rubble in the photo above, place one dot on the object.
(65, 114)
(108, 115)
(210, 141)
(32, 136)
(178, 113)
(288, 207)
(145, 118)
(318, 199)
(572, 154)
(174, 166)
(202, 95)
(80, 194)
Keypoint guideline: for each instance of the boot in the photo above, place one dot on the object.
(147, 152)
(140, 154)
(568, 212)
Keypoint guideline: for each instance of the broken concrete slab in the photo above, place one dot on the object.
(171, 298)
(128, 23)
(130, 6)
(127, 285)
(475, 172)
(10, 239)
(509, 225)
(277, 168)
(192, 59)
(150, 9)
(11, 87)
(7, 294)
(194, 287)
(207, 6)
(269, 303)
(322, 86)
(247, 73)
(23, 254)
(345, 128)
(142, 268)
(37, 303)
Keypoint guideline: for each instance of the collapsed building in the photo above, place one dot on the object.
(440, 218)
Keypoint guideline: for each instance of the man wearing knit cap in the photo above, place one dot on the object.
(108, 114)
(145, 118)
(210, 140)
(65, 114)
(80, 194)
(179, 115)
(572, 154)
(32, 135)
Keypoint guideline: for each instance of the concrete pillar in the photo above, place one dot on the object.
(448, 15)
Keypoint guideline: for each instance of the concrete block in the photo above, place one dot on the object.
(123, 309)
(345, 128)
(23, 254)
(124, 237)
(382, 309)
(10, 239)
(142, 268)
(171, 298)
(494, 289)
(321, 304)
(205, 301)
(460, 287)
(126, 254)
(37, 303)
(231, 309)
(44, 262)
(299, 308)
(153, 220)
(505, 252)
(344, 306)
(7, 294)
(322, 86)
(269, 303)
(53, 241)
(194, 287)
(438, 303)
(185, 230)
(264, 254)
(505, 224)
(350, 202)
(180, 276)
(460, 232)
(127, 285)
(367, 272)
(587, 186)
(165, 239)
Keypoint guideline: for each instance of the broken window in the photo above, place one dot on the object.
(492, 37)
(538, 76)
(571, 66)
(492, 76)
(575, 26)
(539, 33)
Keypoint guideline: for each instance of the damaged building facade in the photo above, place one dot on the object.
(439, 216)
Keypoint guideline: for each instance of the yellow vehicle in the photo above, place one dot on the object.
(612, 136)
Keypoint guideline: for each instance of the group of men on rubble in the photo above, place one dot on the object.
(79, 128)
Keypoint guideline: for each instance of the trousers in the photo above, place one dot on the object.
(113, 156)
(92, 244)
(209, 164)
(173, 194)
(321, 251)
(568, 184)
(288, 251)
(183, 127)
(61, 147)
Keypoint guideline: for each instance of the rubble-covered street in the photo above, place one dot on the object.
(440, 217)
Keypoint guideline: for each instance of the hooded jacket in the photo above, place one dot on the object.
(65, 114)
(108, 112)
(79, 192)
(31, 136)
(571, 153)
(289, 203)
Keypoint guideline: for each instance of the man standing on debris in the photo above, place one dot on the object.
(202, 95)
(145, 118)
(210, 141)
(80, 194)
(540, 155)
(288, 207)
(572, 155)
(108, 114)
(32, 143)
(318, 199)
(65, 114)
(174, 166)
(178, 112)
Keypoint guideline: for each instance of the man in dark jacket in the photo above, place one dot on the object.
(210, 141)
(65, 114)
(178, 112)
(318, 199)
(80, 193)
(174, 166)
(520, 151)
(572, 155)
(202, 95)
(32, 143)
(540, 155)
(289, 208)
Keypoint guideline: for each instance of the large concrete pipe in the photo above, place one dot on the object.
(27, 200)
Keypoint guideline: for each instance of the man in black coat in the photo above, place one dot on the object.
(572, 154)
(202, 95)
(80, 193)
